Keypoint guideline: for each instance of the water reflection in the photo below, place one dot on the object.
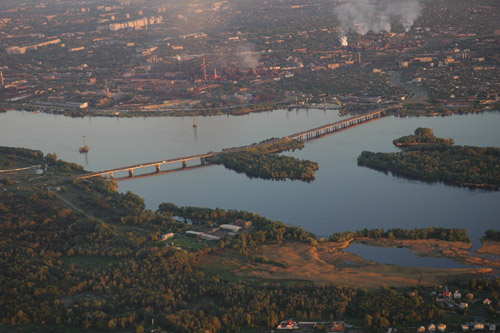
(401, 257)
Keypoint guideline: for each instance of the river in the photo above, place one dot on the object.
(343, 196)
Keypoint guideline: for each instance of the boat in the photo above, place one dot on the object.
(288, 325)
(85, 148)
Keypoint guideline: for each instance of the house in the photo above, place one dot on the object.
(421, 329)
(457, 295)
(478, 326)
(441, 327)
(465, 327)
(243, 224)
(486, 301)
(470, 296)
(167, 236)
(463, 305)
(431, 328)
(446, 294)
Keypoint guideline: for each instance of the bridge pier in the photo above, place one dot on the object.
(111, 175)
(131, 173)
(203, 161)
(158, 169)
(184, 164)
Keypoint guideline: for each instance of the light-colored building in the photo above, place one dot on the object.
(167, 236)
(230, 227)
(209, 237)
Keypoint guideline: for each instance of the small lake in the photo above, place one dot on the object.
(401, 257)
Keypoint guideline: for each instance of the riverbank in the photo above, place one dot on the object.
(397, 110)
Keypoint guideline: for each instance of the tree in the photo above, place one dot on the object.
(423, 131)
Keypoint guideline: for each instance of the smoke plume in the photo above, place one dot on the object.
(363, 16)
(248, 56)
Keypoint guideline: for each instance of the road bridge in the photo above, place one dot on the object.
(303, 136)
(157, 165)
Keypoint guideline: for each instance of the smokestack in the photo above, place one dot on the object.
(1, 79)
(204, 69)
(215, 74)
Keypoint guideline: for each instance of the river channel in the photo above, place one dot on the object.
(343, 196)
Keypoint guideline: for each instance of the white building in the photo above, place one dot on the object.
(230, 227)
(167, 236)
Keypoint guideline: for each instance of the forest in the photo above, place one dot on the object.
(62, 270)
(492, 235)
(445, 234)
(262, 161)
(428, 158)
(272, 166)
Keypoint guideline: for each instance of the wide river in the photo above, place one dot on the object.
(343, 196)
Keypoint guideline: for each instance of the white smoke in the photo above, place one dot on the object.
(248, 56)
(363, 16)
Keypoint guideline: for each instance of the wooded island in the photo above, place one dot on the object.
(429, 158)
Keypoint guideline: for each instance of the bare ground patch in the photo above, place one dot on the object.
(490, 247)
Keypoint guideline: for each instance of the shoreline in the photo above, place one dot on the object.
(231, 110)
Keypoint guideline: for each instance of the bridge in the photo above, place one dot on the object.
(337, 126)
(303, 136)
(157, 164)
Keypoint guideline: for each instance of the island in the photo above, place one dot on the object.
(262, 161)
(426, 157)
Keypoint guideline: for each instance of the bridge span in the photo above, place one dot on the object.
(303, 136)
(157, 164)
(337, 126)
